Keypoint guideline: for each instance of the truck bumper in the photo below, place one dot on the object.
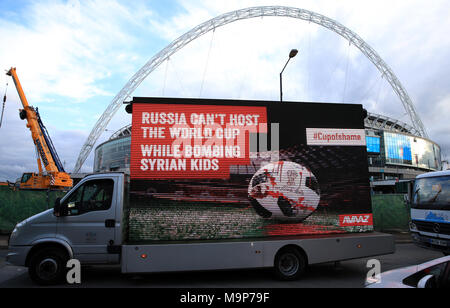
(438, 244)
(17, 255)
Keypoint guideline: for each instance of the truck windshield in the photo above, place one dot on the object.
(432, 193)
(25, 177)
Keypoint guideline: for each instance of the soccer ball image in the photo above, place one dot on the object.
(284, 191)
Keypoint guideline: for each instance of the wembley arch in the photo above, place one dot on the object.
(260, 11)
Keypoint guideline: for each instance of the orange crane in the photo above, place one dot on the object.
(55, 177)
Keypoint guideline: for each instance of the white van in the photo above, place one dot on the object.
(430, 211)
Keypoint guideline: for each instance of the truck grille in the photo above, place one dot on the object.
(424, 226)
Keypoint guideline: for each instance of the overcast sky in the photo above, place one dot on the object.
(73, 57)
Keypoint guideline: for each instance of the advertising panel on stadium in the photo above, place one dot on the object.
(224, 169)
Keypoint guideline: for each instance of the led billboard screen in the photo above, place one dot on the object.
(426, 154)
(398, 148)
(410, 150)
(373, 144)
(216, 169)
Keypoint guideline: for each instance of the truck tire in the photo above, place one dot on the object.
(48, 266)
(289, 264)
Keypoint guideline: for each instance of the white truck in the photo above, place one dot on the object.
(205, 193)
(45, 242)
(430, 211)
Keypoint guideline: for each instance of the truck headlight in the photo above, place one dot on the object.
(18, 226)
(16, 230)
(413, 227)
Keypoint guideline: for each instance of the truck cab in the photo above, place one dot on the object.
(85, 224)
(430, 211)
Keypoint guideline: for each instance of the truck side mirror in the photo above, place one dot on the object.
(429, 281)
(57, 207)
(408, 197)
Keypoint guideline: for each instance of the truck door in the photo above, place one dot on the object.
(89, 222)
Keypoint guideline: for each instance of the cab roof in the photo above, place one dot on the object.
(434, 174)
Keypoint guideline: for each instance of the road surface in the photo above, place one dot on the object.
(347, 274)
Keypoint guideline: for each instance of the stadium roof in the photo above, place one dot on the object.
(379, 122)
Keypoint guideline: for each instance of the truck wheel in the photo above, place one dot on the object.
(48, 266)
(289, 264)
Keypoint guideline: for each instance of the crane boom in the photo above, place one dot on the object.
(56, 176)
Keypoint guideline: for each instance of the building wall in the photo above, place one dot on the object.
(113, 155)
(400, 156)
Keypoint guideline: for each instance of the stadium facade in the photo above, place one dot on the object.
(396, 152)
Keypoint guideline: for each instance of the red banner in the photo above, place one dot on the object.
(191, 141)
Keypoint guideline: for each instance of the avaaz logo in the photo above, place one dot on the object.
(355, 220)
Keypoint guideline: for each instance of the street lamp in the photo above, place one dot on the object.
(292, 54)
